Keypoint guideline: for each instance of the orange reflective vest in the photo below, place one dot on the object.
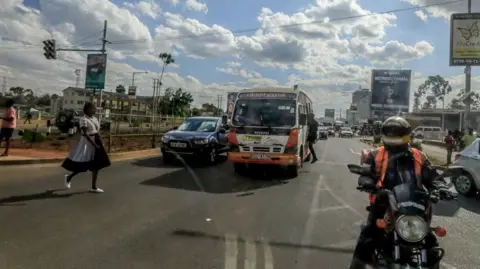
(381, 161)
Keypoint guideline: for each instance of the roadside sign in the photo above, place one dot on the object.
(465, 39)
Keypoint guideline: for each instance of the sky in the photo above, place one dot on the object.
(227, 45)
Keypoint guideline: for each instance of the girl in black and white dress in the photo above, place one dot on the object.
(88, 154)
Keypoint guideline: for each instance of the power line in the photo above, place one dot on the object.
(248, 30)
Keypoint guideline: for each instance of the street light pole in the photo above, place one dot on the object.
(468, 80)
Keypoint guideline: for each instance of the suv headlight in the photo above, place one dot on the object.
(202, 141)
(165, 138)
(411, 228)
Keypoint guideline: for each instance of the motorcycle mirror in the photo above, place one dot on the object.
(355, 168)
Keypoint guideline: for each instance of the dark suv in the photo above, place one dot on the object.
(199, 137)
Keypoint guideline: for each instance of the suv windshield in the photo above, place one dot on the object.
(199, 125)
(265, 112)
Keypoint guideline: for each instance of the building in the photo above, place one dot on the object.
(453, 118)
(118, 103)
(359, 111)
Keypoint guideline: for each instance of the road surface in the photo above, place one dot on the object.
(152, 216)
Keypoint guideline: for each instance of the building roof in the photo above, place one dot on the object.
(109, 94)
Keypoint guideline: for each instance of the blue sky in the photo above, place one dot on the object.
(319, 62)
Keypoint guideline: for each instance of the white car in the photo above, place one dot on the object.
(468, 183)
(346, 132)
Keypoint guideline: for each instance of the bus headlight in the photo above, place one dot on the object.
(411, 228)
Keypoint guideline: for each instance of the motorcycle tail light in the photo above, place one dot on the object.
(381, 223)
(440, 231)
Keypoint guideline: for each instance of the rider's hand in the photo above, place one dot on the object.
(446, 194)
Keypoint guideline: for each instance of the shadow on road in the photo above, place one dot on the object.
(471, 204)
(48, 194)
(158, 162)
(214, 179)
(198, 234)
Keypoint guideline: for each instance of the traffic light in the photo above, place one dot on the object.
(49, 48)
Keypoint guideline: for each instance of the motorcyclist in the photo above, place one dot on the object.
(412, 165)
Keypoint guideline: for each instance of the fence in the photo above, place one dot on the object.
(124, 123)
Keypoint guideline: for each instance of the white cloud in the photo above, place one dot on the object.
(319, 54)
(421, 15)
(239, 72)
(148, 8)
(444, 11)
(196, 5)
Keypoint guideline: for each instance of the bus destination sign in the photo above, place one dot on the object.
(266, 95)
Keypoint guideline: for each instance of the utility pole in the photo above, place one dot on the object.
(104, 43)
(468, 80)
(4, 85)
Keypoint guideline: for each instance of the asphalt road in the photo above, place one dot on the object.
(152, 216)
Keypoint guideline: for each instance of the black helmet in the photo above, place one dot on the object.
(396, 131)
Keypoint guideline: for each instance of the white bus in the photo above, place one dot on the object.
(270, 126)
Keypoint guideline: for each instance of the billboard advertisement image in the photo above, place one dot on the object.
(330, 113)
(465, 39)
(231, 97)
(391, 90)
(96, 69)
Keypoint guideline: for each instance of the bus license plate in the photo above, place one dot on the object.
(260, 157)
(252, 138)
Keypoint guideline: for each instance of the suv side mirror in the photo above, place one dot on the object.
(222, 131)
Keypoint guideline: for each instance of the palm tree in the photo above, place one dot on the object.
(167, 59)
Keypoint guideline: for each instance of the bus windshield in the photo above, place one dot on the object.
(265, 112)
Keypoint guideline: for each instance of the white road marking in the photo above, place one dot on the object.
(268, 255)
(309, 228)
(231, 251)
(341, 201)
(250, 254)
(329, 208)
(447, 266)
(354, 152)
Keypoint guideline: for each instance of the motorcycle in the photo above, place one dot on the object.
(406, 225)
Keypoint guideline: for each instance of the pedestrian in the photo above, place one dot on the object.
(28, 118)
(9, 123)
(449, 143)
(312, 135)
(468, 138)
(88, 154)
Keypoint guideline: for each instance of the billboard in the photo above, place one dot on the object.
(96, 69)
(391, 90)
(231, 97)
(330, 113)
(132, 92)
(465, 39)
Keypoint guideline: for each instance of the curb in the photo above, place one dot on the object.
(114, 157)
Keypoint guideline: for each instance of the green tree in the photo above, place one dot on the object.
(434, 89)
(458, 101)
(22, 95)
(211, 108)
(175, 102)
(120, 89)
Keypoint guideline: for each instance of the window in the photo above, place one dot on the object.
(71, 101)
(65, 101)
(80, 102)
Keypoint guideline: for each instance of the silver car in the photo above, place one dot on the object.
(468, 183)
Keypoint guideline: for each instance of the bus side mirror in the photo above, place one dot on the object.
(302, 119)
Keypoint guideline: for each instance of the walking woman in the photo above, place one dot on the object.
(88, 154)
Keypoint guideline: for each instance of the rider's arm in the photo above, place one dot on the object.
(364, 180)
(430, 177)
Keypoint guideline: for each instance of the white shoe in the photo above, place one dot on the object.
(97, 190)
(67, 184)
